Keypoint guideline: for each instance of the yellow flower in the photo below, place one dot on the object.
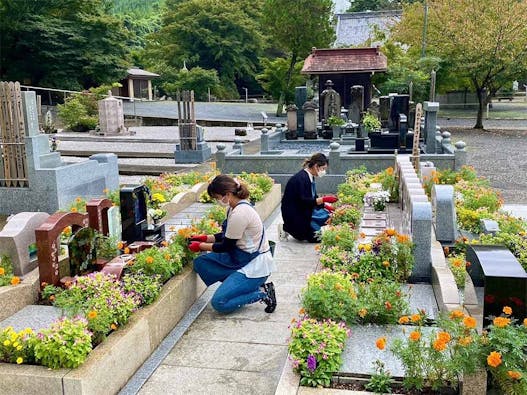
(16, 344)
(415, 318)
(19, 360)
(120, 245)
(501, 322)
(105, 191)
(126, 250)
(494, 359)
(7, 343)
(404, 320)
(92, 314)
(415, 336)
(525, 322)
(381, 343)
(149, 260)
(367, 247)
(113, 327)
(507, 310)
(386, 264)
(465, 341)
(167, 257)
(19, 348)
(470, 322)
(514, 375)
(2, 271)
(456, 314)
(362, 313)
(15, 280)
(73, 209)
(78, 200)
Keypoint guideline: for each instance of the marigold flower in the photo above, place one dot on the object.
(403, 238)
(404, 320)
(388, 305)
(317, 247)
(362, 235)
(415, 317)
(73, 209)
(127, 250)
(339, 287)
(456, 314)
(167, 257)
(446, 250)
(164, 243)
(386, 264)
(302, 311)
(15, 280)
(52, 298)
(439, 345)
(501, 322)
(381, 343)
(78, 200)
(415, 336)
(494, 359)
(470, 322)
(514, 374)
(105, 191)
(367, 247)
(362, 313)
(465, 340)
(113, 327)
(120, 245)
(2, 271)
(92, 314)
(389, 171)
(444, 336)
(525, 322)
(507, 310)
(149, 260)
(390, 232)
(19, 360)
(7, 343)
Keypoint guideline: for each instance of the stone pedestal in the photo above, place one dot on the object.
(111, 116)
(291, 133)
(310, 120)
(430, 109)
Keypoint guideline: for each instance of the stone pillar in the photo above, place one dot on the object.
(130, 88)
(291, 122)
(444, 212)
(300, 99)
(238, 145)
(430, 109)
(30, 110)
(357, 104)
(460, 155)
(422, 237)
(111, 116)
(150, 90)
(384, 110)
(278, 128)
(439, 139)
(220, 156)
(310, 120)
(264, 141)
(334, 158)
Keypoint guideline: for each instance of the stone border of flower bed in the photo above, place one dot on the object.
(184, 199)
(111, 364)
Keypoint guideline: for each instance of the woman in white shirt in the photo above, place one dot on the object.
(240, 256)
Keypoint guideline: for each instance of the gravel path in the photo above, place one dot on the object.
(500, 156)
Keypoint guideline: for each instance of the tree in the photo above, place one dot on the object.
(377, 5)
(197, 79)
(66, 44)
(296, 27)
(484, 41)
(273, 78)
(210, 34)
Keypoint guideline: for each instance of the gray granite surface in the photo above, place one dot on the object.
(32, 316)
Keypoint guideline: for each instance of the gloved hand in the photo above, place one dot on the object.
(194, 246)
(329, 199)
(202, 238)
(329, 207)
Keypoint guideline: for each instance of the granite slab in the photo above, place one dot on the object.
(32, 316)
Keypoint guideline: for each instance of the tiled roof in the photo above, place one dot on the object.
(135, 72)
(355, 28)
(344, 60)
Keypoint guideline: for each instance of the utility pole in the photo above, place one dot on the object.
(425, 25)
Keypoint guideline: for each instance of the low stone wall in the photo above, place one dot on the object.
(184, 199)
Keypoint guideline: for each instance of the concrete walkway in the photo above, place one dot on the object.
(239, 353)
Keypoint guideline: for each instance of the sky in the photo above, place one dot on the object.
(341, 5)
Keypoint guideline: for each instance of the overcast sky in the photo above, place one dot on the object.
(341, 5)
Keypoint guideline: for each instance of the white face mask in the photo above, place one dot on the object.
(223, 203)
(321, 173)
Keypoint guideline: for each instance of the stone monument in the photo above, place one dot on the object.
(300, 99)
(331, 101)
(292, 115)
(357, 104)
(111, 116)
(310, 120)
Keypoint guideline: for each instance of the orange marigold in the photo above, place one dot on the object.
(120, 245)
(362, 313)
(164, 243)
(302, 311)
(2, 271)
(494, 359)
(404, 319)
(439, 345)
(73, 209)
(415, 317)
(113, 327)
(386, 264)
(456, 314)
(443, 336)
(381, 343)
(389, 171)
(470, 322)
(514, 374)
(525, 322)
(501, 322)
(92, 314)
(507, 310)
(390, 232)
(15, 280)
(415, 336)
(149, 260)
(127, 250)
(465, 340)
(388, 305)
(362, 235)
(403, 238)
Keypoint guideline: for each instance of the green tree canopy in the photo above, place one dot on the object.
(378, 5)
(210, 34)
(66, 44)
(484, 41)
(274, 78)
(197, 79)
(295, 27)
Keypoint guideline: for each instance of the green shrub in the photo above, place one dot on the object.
(146, 286)
(6, 270)
(16, 347)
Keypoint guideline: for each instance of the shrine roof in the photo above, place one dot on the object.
(137, 73)
(344, 61)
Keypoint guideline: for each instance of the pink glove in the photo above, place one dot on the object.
(202, 238)
(329, 199)
(329, 207)
(194, 246)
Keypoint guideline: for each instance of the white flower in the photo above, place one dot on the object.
(378, 197)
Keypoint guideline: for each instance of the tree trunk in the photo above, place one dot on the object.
(479, 118)
(279, 109)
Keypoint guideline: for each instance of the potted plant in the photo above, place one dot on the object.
(370, 123)
(335, 123)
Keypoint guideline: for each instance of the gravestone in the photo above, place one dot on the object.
(300, 99)
(384, 110)
(81, 251)
(97, 210)
(444, 213)
(330, 101)
(400, 104)
(502, 278)
(292, 115)
(402, 127)
(310, 120)
(430, 109)
(133, 212)
(357, 104)
(114, 222)
(111, 116)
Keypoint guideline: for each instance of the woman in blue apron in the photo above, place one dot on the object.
(240, 256)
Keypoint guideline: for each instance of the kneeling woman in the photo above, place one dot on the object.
(241, 258)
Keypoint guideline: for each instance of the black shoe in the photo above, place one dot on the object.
(270, 298)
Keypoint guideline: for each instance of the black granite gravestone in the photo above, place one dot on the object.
(133, 212)
(400, 104)
(502, 278)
